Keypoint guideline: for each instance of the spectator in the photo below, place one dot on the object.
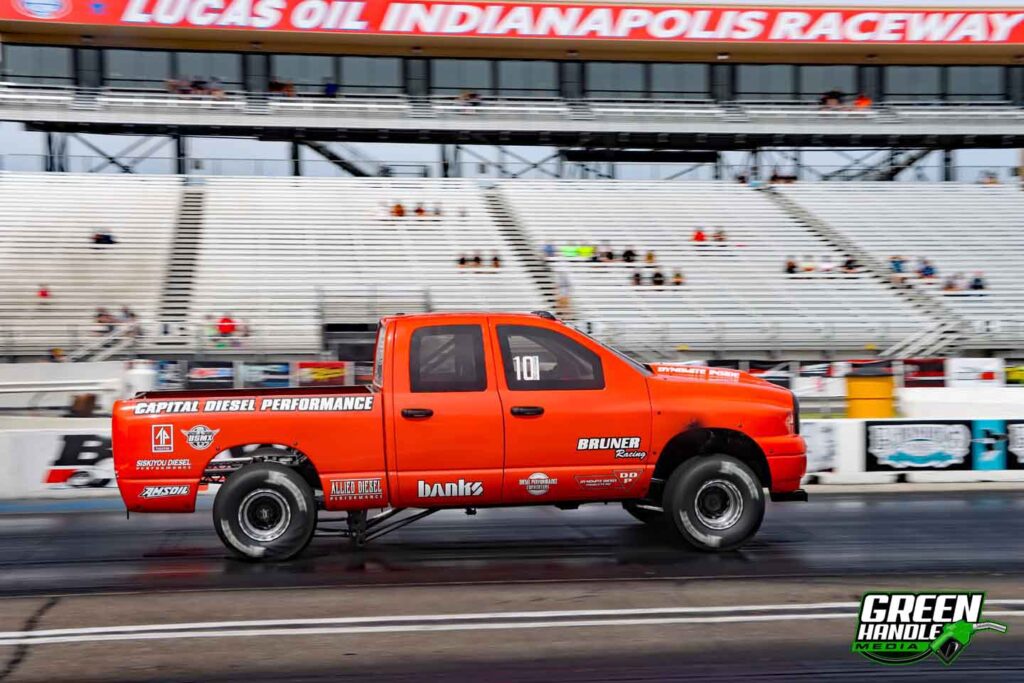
(862, 101)
(198, 85)
(43, 295)
(549, 250)
(330, 88)
(827, 264)
(927, 270)
(896, 263)
(420, 210)
(607, 254)
(629, 256)
(216, 88)
(103, 238)
(808, 265)
(678, 279)
(105, 320)
(462, 261)
(495, 261)
(397, 210)
(950, 285)
(960, 282)
(437, 211)
(129, 320)
(720, 236)
(570, 250)
(699, 236)
(57, 355)
(650, 258)
(658, 279)
(850, 265)
(587, 252)
(637, 278)
(978, 283)
(988, 178)
(832, 99)
(477, 260)
(791, 266)
(226, 326)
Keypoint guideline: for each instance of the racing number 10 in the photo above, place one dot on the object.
(527, 368)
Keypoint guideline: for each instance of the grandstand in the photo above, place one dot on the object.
(47, 225)
(273, 249)
(736, 293)
(284, 256)
(287, 258)
(962, 229)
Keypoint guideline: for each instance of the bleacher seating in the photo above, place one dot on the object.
(736, 294)
(270, 244)
(46, 226)
(961, 228)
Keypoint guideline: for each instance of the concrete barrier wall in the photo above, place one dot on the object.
(46, 457)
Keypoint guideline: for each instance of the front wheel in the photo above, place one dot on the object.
(265, 511)
(714, 503)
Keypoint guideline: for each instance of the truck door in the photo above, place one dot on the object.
(446, 416)
(577, 417)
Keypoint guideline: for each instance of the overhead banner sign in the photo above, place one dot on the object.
(686, 23)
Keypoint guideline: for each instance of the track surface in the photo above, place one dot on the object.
(89, 566)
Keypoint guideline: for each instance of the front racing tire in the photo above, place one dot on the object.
(265, 511)
(714, 503)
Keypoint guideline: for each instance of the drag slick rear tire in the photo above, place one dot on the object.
(265, 511)
(714, 503)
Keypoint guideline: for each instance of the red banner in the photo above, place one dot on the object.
(542, 20)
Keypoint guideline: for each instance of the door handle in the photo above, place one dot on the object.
(417, 412)
(527, 411)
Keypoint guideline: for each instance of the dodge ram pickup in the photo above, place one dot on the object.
(468, 411)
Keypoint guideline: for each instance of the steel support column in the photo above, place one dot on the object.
(296, 159)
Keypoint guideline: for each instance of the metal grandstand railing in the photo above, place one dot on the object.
(442, 107)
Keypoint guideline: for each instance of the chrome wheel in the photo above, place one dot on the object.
(264, 515)
(719, 504)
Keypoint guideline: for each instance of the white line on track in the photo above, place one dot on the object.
(464, 622)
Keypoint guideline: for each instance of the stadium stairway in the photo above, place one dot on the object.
(176, 297)
(941, 337)
(522, 246)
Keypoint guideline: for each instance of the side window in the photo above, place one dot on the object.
(447, 358)
(378, 358)
(540, 359)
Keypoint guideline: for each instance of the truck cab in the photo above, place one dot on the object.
(470, 410)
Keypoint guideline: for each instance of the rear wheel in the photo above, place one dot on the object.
(714, 503)
(265, 511)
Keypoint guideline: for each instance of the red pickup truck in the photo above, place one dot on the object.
(468, 411)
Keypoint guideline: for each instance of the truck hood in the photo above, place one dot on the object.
(703, 373)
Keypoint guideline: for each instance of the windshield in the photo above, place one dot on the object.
(643, 368)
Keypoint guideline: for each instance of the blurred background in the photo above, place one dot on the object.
(203, 194)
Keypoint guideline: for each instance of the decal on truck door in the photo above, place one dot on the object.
(625, 447)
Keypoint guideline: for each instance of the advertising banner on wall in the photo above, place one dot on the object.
(266, 375)
(608, 21)
(820, 436)
(324, 373)
(212, 374)
(974, 372)
(57, 462)
(170, 374)
(917, 445)
(924, 372)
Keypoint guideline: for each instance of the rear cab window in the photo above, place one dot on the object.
(447, 358)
